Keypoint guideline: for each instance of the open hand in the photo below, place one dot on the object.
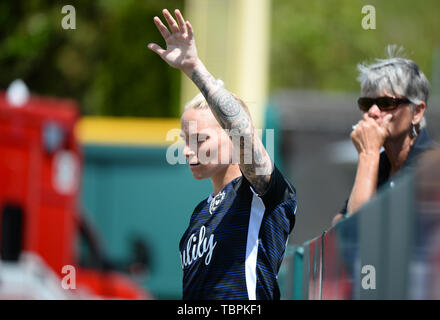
(181, 52)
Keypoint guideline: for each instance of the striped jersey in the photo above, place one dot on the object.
(235, 241)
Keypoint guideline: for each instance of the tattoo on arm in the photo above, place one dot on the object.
(231, 116)
(259, 171)
(217, 97)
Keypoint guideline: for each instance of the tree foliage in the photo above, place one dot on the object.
(317, 44)
(104, 63)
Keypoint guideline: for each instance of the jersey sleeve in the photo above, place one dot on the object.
(279, 190)
(280, 197)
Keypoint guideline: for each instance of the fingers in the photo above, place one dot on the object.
(386, 123)
(161, 27)
(356, 125)
(190, 29)
(362, 125)
(181, 21)
(384, 120)
(387, 118)
(156, 48)
(181, 26)
(171, 22)
(375, 122)
(366, 117)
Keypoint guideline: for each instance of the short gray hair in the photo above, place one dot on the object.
(397, 75)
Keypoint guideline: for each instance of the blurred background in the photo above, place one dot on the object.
(293, 62)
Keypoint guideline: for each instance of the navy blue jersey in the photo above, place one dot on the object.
(235, 242)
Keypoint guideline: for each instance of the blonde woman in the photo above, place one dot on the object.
(236, 238)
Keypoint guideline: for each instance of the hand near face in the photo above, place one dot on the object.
(369, 135)
(180, 52)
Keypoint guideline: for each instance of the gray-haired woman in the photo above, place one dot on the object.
(394, 100)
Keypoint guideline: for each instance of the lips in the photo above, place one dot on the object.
(194, 165)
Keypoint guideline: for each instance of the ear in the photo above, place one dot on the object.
(419, 111)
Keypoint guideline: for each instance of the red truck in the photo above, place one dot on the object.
(41, 220)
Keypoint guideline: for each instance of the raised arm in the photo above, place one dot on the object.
(181, 53)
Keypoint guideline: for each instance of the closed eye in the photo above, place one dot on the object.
(202, 137)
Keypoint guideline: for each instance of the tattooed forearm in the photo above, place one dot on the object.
(255, 163)
(226, 103)
(205, 82)
(258, 171)
(225, 107)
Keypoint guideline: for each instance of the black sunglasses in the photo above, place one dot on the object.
(384, 103)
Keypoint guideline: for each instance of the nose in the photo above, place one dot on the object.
(187, 152)
(374, 112)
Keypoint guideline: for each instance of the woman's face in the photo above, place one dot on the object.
(403, 117)
(208, 149)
